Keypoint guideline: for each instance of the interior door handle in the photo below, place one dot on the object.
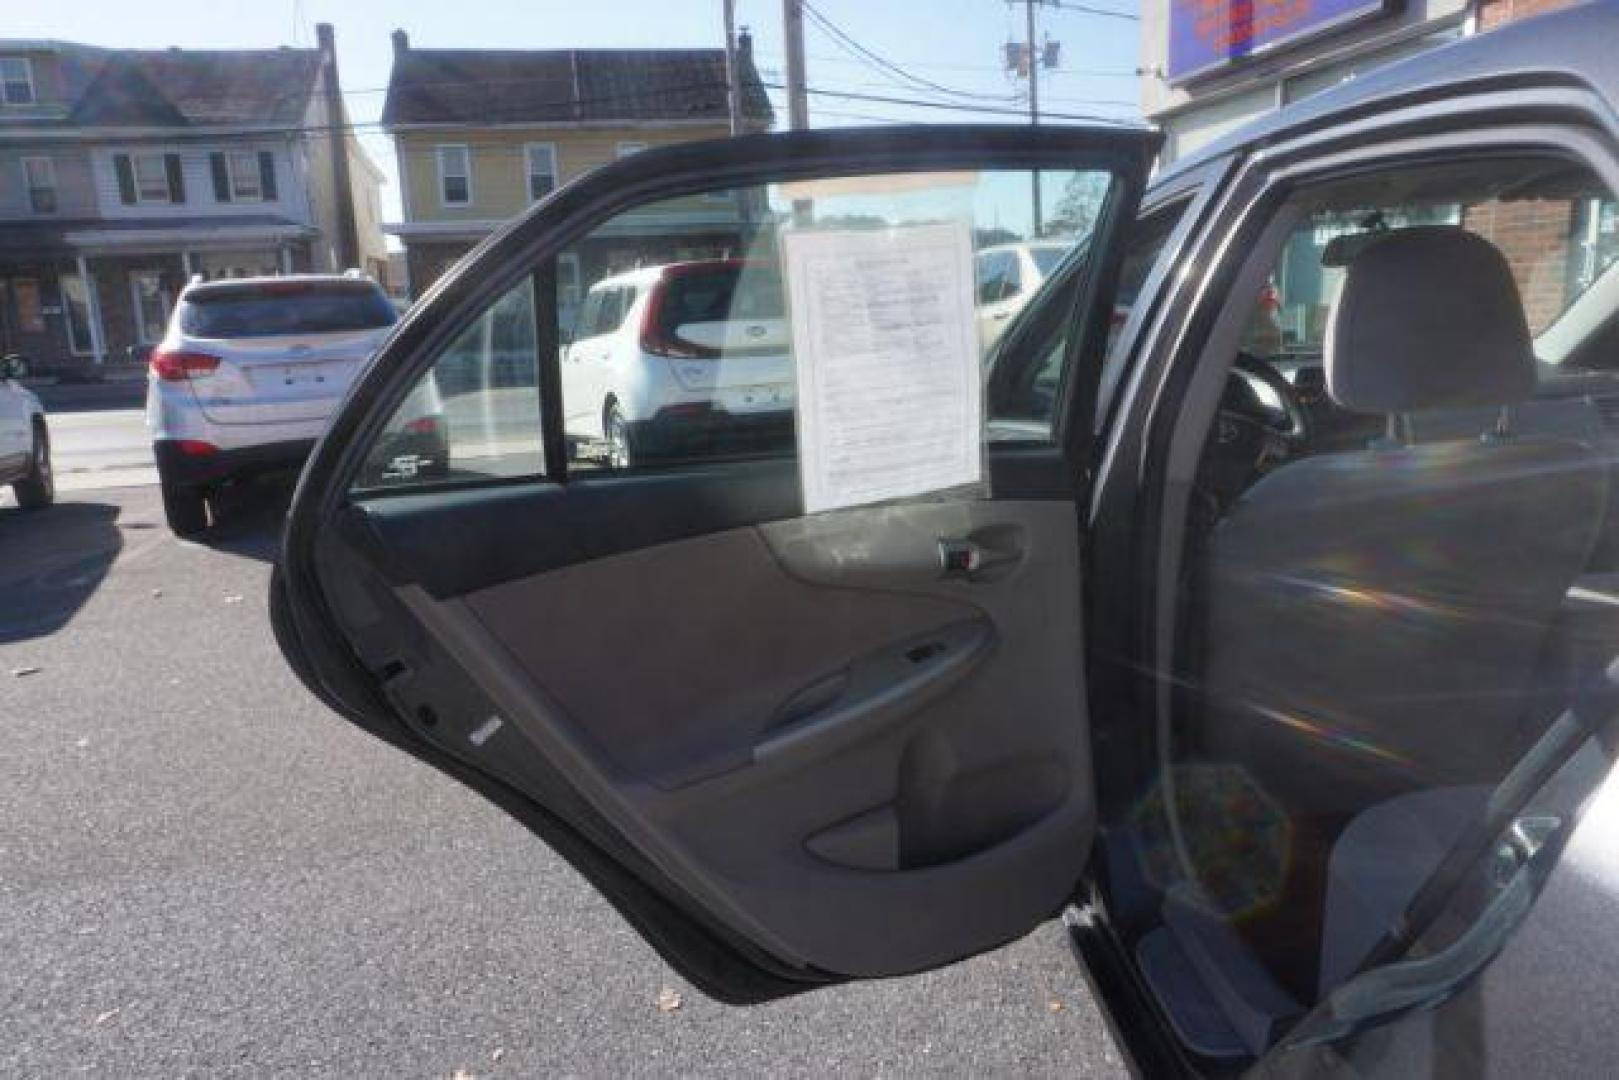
(967, 559)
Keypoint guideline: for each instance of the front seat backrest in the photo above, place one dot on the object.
(1375, 619)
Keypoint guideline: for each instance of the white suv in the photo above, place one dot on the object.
(248, 374)
(25, 444)
(685, 358)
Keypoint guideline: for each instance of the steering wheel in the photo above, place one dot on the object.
(1262, 423)
(1276, 424)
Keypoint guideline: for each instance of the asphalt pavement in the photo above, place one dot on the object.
(204, 872)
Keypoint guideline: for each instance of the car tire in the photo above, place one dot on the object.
(621, 449)
(37, 490)
(185, 509)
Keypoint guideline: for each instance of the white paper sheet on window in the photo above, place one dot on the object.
(890, 399)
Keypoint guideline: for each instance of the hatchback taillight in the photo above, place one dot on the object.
(176, 366)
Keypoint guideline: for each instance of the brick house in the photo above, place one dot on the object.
(480, 134)
(123, 173)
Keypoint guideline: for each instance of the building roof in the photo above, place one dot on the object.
(496, 86)
(174, 87)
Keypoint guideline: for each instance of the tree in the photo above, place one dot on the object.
(1078, 206)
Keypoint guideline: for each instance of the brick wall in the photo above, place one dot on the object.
(1493, 13)
(426, 262)
(1535, 236)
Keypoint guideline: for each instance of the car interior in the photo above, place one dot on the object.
(1397, 587)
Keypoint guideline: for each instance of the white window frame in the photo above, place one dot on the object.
(135, 159)
(144, 334)
(625, 149)
(529, 172)
(466, 158)
(28, 164)
(254, 191)
(28, 77)
(75, 346)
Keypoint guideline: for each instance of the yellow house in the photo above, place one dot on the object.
(480, 134)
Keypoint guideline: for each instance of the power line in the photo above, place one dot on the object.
(888, 66)
(1086, 9)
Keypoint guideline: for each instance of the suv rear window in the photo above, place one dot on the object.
(713, 294)
(285, 307)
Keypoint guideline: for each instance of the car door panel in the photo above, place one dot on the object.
(847, 655)
(847, 745)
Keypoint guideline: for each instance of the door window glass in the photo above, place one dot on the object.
(683, 348)
(476, 414)
(708, 372)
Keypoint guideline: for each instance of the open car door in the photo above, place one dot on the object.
(780, 645)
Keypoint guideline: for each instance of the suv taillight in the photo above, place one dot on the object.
(178, 366)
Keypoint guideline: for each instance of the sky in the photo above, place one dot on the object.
(954, 44)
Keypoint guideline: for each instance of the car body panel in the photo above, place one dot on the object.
(19, 408)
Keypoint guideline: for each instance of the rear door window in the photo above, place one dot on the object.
(285, 307)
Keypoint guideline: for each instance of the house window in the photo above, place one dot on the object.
(16, 81)
(244, 175)
(455, 175)
(76, 308)
(40, 173)
(625, 149)
(151, 304)
(151, 177)
(542, 169)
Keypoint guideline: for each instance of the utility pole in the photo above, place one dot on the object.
(1033, 59)
(792, 32)
(733, 70)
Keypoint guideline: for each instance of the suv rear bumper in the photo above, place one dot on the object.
(713, 433)
(195, 470)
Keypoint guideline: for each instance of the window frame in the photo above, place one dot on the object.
(33, 189)
(529, 173)
(237, 192)
(525, 252)
(439, 153)
(141, 196)
(27, 64)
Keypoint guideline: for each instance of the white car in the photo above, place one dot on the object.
(685, 357)
(1008, 274)
(248, 374)
(25, 443)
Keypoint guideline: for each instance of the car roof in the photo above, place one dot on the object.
(1574, 45)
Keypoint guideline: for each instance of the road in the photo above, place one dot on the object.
(203, 872)
(101, 449)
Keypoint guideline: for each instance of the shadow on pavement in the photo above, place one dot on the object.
(250, 518)
(51, 563)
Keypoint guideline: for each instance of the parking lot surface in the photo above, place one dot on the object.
(204, 872)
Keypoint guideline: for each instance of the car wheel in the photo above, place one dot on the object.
(186, 509)
(620, 448)
(38, 489)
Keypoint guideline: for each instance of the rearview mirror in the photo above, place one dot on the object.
(14, 367)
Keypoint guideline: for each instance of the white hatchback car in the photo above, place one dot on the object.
(688, 357)
(1008, 275)
(248, 374)
(25, 443)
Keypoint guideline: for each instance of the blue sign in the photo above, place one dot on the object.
(1206, 35)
